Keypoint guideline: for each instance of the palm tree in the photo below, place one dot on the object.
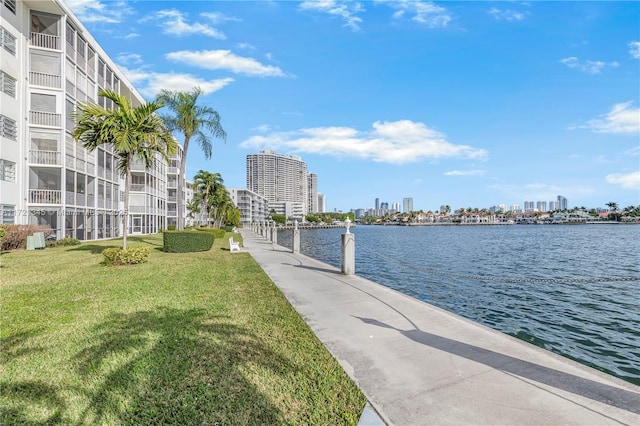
(193, 121)
(612, 205)
(206, 186)
(135, 132)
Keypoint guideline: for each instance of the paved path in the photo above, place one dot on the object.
(420, 365)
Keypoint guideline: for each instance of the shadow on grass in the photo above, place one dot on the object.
(176, 366)
(18, 397)
(94, 248)
(17, 345)
(23, 396)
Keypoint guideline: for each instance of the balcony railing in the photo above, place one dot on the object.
(46, 80)
(172, 198)
(45, 40)
(137, 187)
(173, 170)
(44, 118)
(45, 157)
(172, 213)
(45, 196)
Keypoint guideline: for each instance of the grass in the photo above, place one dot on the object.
(193, 338)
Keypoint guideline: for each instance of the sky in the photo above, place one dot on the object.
(459, 103)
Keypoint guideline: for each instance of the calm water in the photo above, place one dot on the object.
(597, 324)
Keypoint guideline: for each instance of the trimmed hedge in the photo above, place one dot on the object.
(115, 256)
(187, 241)
(217, 233)
(63, 242)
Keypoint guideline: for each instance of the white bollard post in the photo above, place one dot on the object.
(348, 251)
(295, 246)
(274, 233)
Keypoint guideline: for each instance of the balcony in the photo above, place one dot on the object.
(45, 196)
(44, 118)
(51, 158)
(45, 40)
(137, 187)
(45, 80)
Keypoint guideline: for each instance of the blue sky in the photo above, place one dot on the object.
(470, 104)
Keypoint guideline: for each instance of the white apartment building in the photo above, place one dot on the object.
(322, 203)
(312, 190)
(407, 205)
(48, 64)
(253, 207)
(282, 180)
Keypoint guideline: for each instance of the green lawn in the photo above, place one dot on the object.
(190, 339)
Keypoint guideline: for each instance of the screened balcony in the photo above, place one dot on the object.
(45, 30)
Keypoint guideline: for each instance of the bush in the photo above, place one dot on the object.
(171, 227)
(63, 242)
(187, 241)
(15, 236)
(227, 228)
(133, 255)
(217, 233)
(2, 232)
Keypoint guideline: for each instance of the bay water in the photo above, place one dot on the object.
(571, 289)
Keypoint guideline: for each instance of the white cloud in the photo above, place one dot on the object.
(90, 11)
(150, 84)
(425, 13)
(225, 60)
(219, 18)
(590, 67)
(245, 46)
(465, 173)
(130, 36)
(634, 49)
(396, 142)
(507, 14)
(173, 22)
(348, 11)
(264, 128)
(622, 118)
(625, 180)
(129, 59)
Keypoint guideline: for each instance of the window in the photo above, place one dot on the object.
(7, 171)
(43, 103)
(11, 5)
(8, 128)
(8, 84)
(8, 41)
(45, 62)
(7, 214)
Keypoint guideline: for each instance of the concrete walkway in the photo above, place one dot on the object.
(420, 365)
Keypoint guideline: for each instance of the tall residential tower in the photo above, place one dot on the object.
(282, 180)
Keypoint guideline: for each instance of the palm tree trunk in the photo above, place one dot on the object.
(127, 188)
(181, 185)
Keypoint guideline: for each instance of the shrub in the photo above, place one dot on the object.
(15, 236)
(217, 233)
(227, 228)
(63, 242)
(171, 227)
(115, 256)
(2, 232)
(187, 241)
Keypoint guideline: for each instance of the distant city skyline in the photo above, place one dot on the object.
(459, 103)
